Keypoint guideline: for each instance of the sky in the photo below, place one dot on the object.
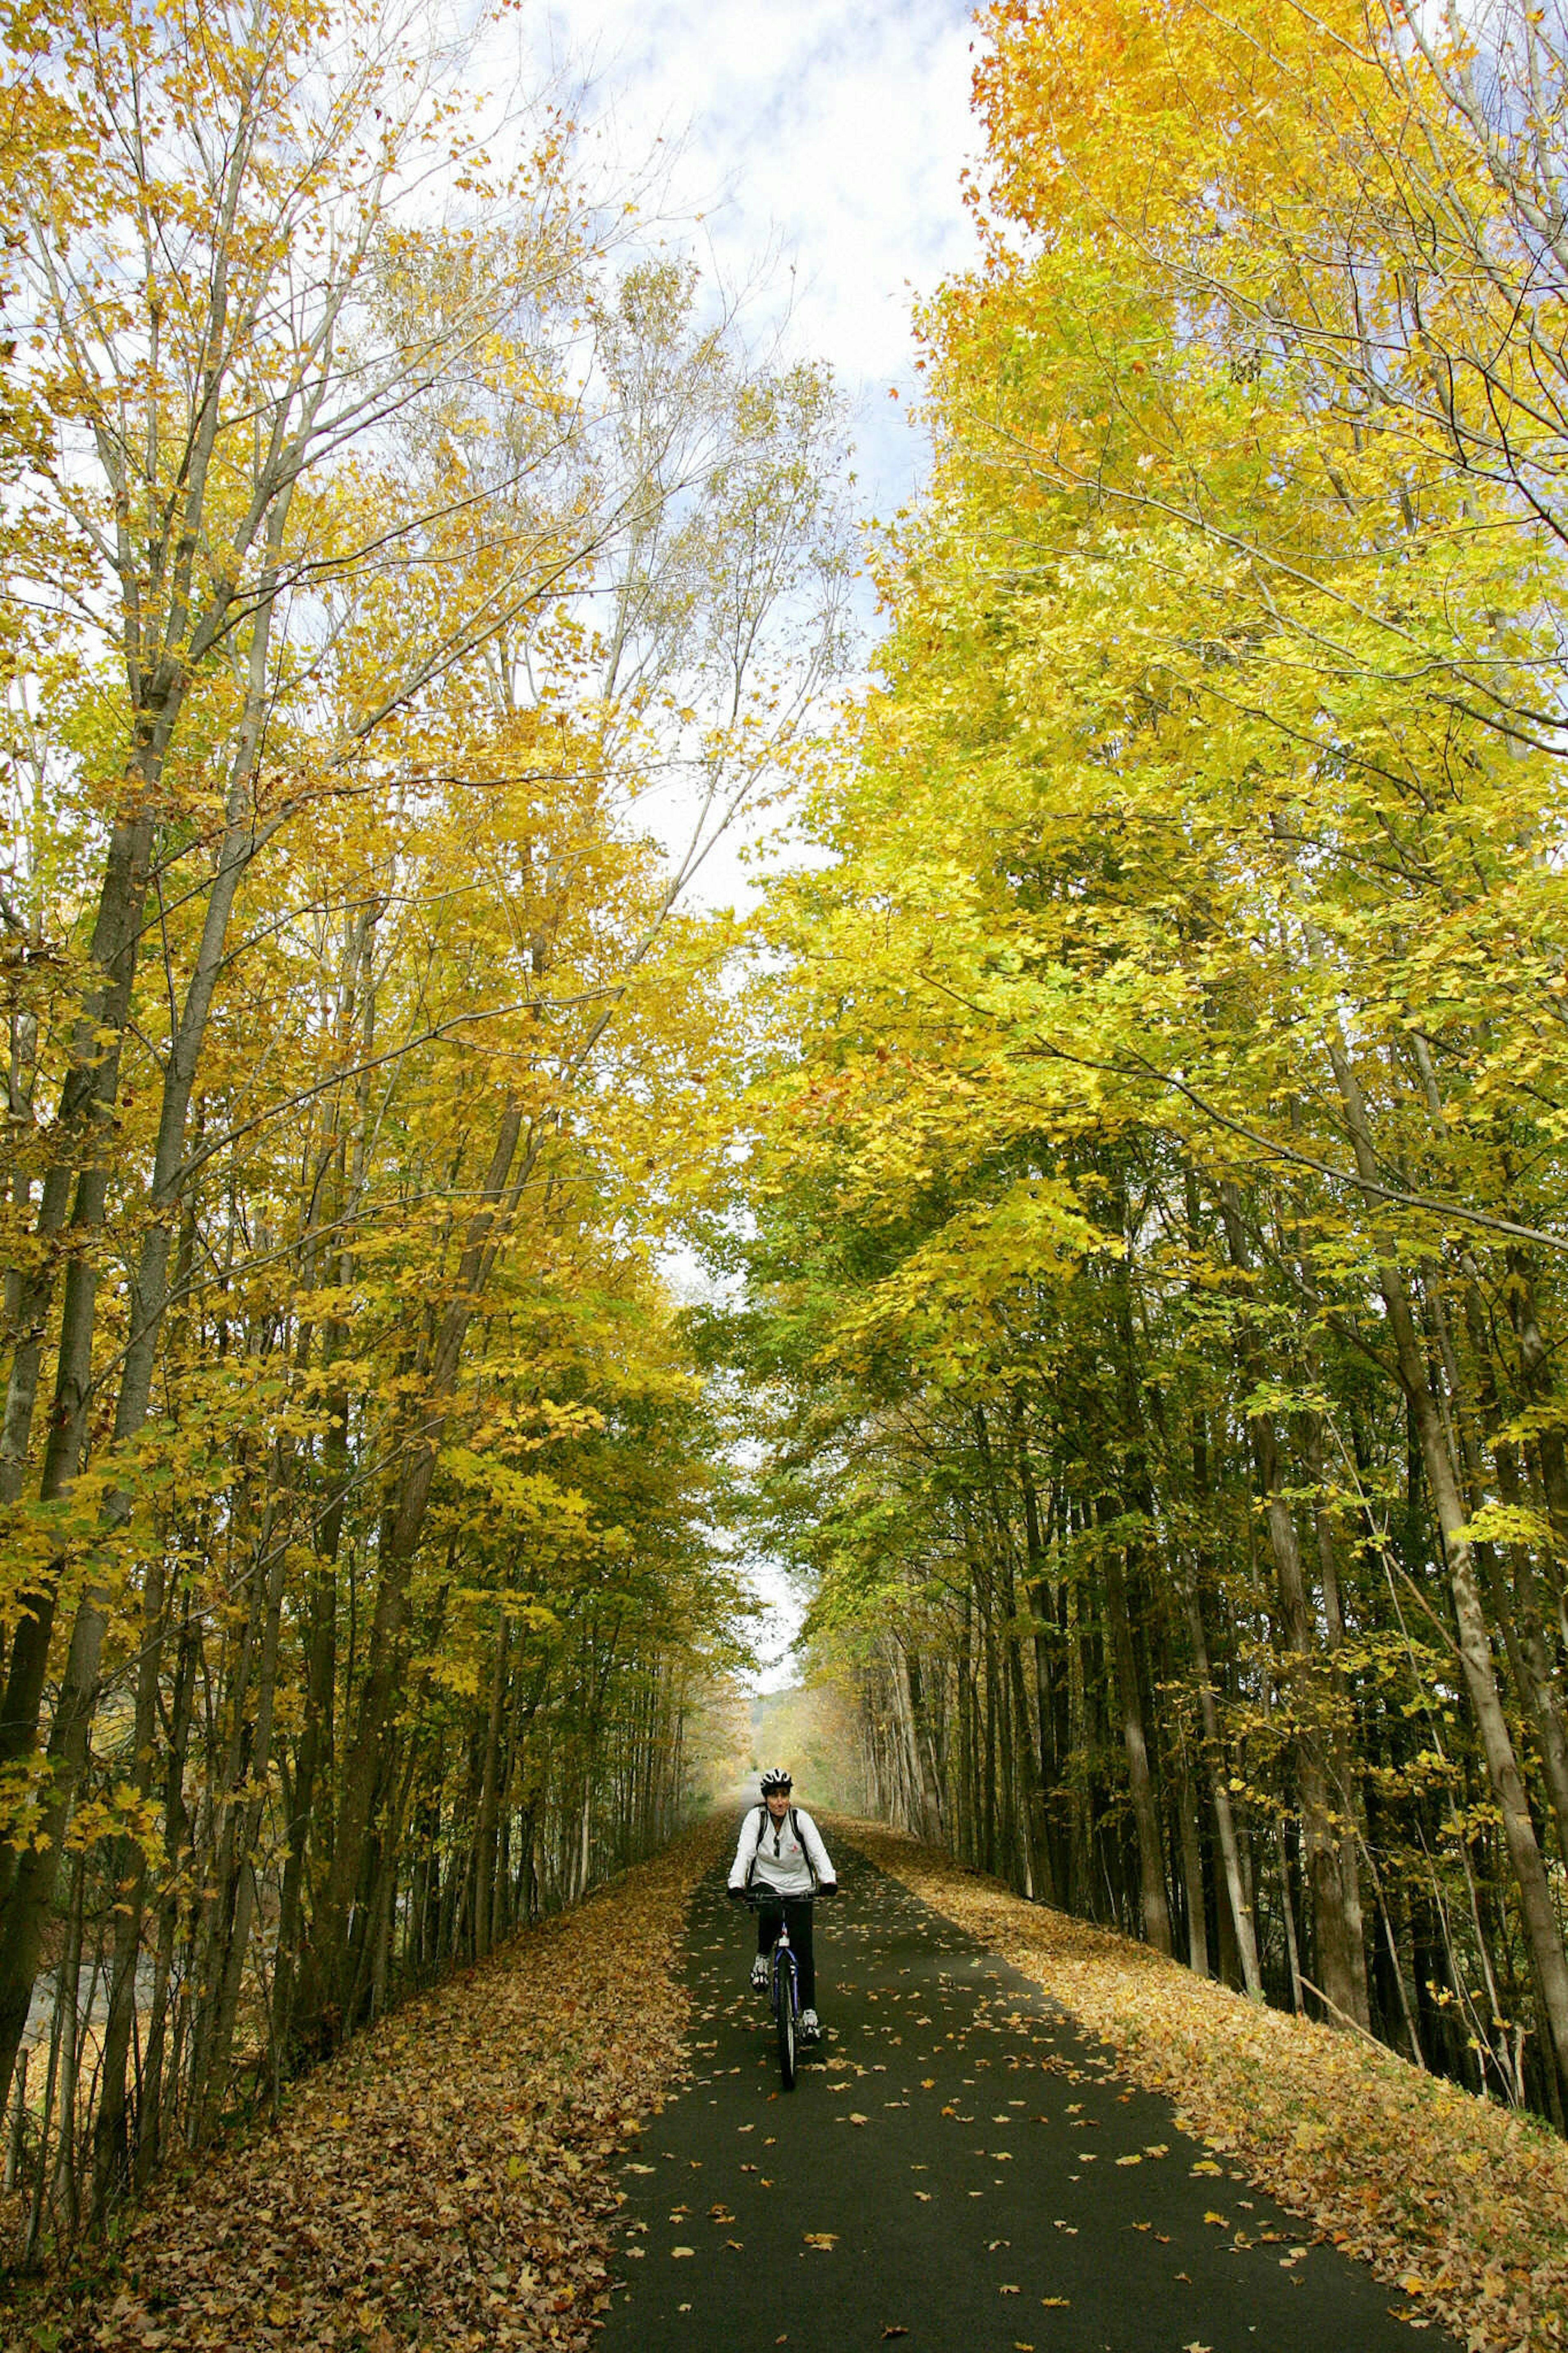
(815, 146)
(831, 132)
(831, 138)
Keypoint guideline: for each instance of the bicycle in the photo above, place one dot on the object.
(784, 1983)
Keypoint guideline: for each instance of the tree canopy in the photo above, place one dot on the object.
(1132, 1137)
(1157, 1240)
(389, 519)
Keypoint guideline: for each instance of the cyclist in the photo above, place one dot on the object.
(781, 1848)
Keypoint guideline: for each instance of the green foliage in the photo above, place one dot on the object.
(1155, 1235)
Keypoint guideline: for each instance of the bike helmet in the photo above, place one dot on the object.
(775, 1778)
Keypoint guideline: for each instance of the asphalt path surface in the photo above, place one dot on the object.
(959, 2170)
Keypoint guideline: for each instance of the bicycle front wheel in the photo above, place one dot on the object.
(784, 2000)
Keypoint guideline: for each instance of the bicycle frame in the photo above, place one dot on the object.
(764, 1900)
(784, 1983)
(786, 1970)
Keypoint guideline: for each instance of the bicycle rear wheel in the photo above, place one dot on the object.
(784, 2012)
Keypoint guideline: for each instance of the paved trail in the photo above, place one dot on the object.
(960, 2170)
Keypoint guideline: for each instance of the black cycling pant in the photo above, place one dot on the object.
(797, 1910)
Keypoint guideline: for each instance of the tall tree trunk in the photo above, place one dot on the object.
(1145, 1806)
(1219, 1795)
(363, 1779)
(1536, 1905)
(930, 1784)
(111, 2151)
(490, 1790)
(1192, 1868)
(1324, 1863)
(25, 1886)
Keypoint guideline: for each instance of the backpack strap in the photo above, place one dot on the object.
(795, 1825)
(762, 1818)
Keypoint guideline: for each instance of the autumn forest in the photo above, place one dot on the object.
(1124, 1141)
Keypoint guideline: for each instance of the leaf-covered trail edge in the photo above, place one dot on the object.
(1459, 2202)
(444, 2183)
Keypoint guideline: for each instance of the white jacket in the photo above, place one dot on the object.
(771, 1853)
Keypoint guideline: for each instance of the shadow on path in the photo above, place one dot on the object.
(958, 2170)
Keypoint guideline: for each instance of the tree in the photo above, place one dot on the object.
(1164, 1071)
(386, 584)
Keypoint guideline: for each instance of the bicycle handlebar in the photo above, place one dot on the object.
(759, 1896)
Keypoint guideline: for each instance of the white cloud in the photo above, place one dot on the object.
(835, 133)
(830, 138)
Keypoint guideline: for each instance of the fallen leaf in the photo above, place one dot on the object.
(453, 2176)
